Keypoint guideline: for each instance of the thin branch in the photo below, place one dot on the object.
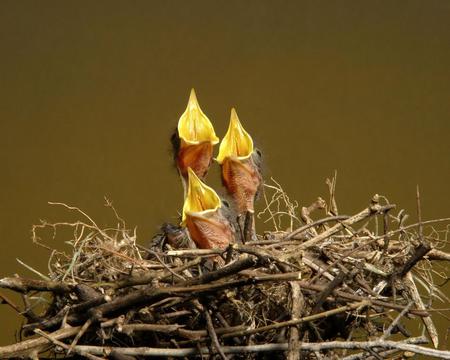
(67, 347)
(213, 335)
(363, 345)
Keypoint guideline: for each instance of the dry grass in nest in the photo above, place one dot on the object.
(333, 287)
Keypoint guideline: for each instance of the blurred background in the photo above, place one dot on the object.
(90, 93)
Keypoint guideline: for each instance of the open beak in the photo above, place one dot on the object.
(202, 215)
(237, 142)
(196, 139)
(240, 173)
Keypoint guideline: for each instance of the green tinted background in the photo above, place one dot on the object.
(91, 91)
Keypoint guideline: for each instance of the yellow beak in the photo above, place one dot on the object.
(200, 199)
(194, 126)
(237, 142)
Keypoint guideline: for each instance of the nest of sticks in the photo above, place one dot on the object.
(320, 285)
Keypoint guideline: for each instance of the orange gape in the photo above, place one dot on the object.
(242, 179)
(198, 157)
(209, 233)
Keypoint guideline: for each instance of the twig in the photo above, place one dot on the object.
(25, 285)
(42, 276)
(313, 224)
(167, 329)
(419, 214)
(301, 320)
(373, 209)
(263, 256)
(213, 335)
(337, 281)
(67, 347)
(435, 254)
(230, 269)
(155, 254)
(83, 329)
(298, 304)
(200, 334)
(394, 323)
(363, 345)
(306, 212)
(428, 322)
(419, 253)
(148, 277)
(194, 252)
(249, 227)
(23, 348)
(363, 355)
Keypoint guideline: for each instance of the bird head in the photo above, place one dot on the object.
(194, 140)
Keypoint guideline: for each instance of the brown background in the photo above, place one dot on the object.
(90, 92)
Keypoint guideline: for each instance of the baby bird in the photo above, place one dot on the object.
(204, 216)
(193, 141)
(240, 163)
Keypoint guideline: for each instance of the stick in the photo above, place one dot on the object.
(435, 254)
(419, 253)
(25, 285)
(199, 334)
(363, 355)
(371, 210)
(363, 345)
(391, 327)
(83, 329)
(428, 322)
(315, 223)
(67, 347)
(26, 347)
(213, 335)
(297, 305)
(225, 271)
(337, 281)
(166, 329)
(249, 227)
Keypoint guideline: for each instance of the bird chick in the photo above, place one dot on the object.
(240, 163)
(193, 141)
(204, 216)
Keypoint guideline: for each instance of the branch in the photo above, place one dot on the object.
(25, 285)
(298, 303)
(213, 335)
(419, 252)
(315, 223)
(427, 321)
(67, 347)
(362, 345)
(24, 348)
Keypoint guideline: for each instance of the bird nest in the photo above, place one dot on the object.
(319, 285)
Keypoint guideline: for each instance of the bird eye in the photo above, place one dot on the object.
(258, 152)
(226, 203)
